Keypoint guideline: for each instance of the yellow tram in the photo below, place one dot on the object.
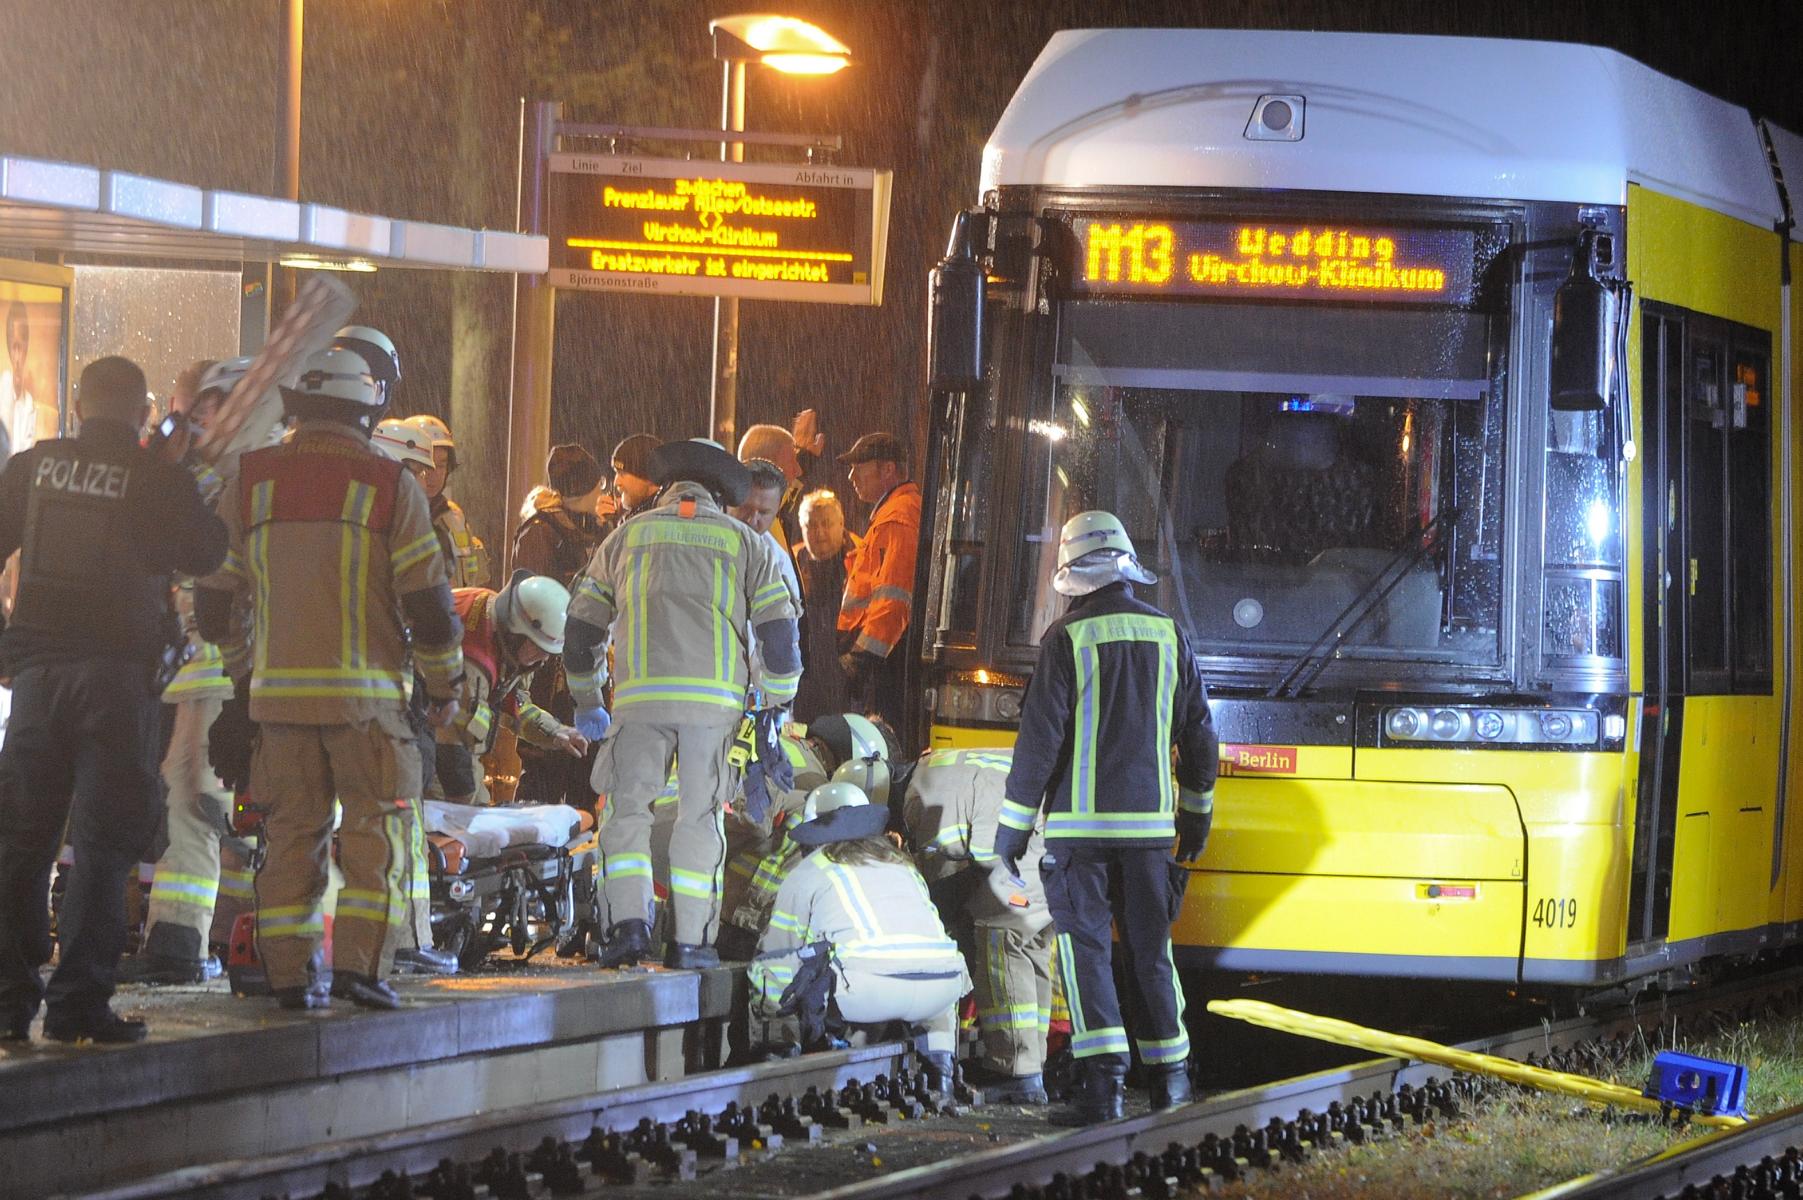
(1445, 383)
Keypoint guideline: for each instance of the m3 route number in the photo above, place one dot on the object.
(1556, 912)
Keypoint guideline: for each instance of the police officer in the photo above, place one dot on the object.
(854, 940)
(332, 550)
(102, 524)
(681, 588)
(1115, 689)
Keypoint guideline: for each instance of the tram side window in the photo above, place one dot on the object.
(1727, 511)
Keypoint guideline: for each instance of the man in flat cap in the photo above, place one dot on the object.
(879, 581)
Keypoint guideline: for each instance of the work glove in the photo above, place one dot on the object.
(593, 723)
(858, 667)
(768, 734)
(1010, 844)
(1192, 834)
(231, 739)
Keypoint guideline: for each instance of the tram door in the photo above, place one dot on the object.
(1706, 585)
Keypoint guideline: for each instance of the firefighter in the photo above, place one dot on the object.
(411, 446)
(101, 524)
(465, 551)
(333, 552)
(505, 635)
(184, 893)
(878, 603)
(680, 588)
(951, 805)
(760, 851)
(854, 940)
(1116, 687)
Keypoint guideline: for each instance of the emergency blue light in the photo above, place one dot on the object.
(1700, 1084)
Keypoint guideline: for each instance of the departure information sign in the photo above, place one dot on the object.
(754, 230)
(1274, 260)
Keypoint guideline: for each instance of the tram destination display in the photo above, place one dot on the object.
(761, 231)
(1274, 260)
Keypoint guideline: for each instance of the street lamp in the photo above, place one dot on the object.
(794, 47)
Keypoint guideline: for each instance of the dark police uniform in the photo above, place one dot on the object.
(1115, 688)
(102, 524)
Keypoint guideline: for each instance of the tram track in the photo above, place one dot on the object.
(665, 1133)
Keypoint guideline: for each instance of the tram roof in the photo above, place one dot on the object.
(81, 209)
(1430, 116)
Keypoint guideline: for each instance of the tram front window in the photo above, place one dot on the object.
(1288, 491)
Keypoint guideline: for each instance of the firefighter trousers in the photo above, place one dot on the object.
(1012, 974)
(186, 892)
(1090, 891)
(631, 769)
(298, 769)
(863, 994)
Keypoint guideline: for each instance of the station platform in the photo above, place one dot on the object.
(223, 1076)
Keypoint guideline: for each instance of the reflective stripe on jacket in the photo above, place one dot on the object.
(326, 537)
(876, 915)
(879, 578)
(679, 587)
(1115, 688)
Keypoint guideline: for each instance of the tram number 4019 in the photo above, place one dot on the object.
(1556, 913)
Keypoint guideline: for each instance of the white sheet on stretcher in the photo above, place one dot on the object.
(485, 832)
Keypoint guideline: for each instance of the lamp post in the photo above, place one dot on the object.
(794, 47)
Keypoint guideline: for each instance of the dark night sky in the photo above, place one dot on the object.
(411, 109)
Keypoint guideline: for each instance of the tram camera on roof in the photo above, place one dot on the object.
(1276, 119)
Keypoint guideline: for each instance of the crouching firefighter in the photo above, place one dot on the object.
(506, 634)
(1116, 687)
(950, 808)
(854, 940)
(679, 588)
(333, 554)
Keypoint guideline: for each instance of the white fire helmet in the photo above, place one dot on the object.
(533, 606)
(335, 385)
(376, 349)
(868, 766)
(403, 442)
(223, 376)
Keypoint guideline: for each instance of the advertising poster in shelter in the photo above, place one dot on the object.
(32, 373)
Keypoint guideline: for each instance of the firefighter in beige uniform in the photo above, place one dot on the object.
(465, 551)
(854, 940)
(679, 588)
(952, 804)
(333, 545)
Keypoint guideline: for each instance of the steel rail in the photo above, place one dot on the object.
(1074, 1154)
(1694, 1163)
(355, 1162)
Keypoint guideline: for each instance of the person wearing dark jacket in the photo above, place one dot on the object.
(1115, 689)
(102, 524)
(556, 539)
(559, 531)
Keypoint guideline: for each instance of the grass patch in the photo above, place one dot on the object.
(1519, 1141)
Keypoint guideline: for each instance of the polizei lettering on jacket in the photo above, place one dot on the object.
(78, 478)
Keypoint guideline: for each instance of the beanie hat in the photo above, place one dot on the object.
(633, 455)
(571, 470)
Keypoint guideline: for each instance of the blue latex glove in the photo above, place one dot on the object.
(592, 723)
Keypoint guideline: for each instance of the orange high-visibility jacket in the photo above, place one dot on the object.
(879, 578)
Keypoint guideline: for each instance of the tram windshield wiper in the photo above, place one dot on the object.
(1308, 665)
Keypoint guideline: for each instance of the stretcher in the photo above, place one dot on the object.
(516, 876)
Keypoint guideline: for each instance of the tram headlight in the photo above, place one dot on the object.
(1574, 728)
